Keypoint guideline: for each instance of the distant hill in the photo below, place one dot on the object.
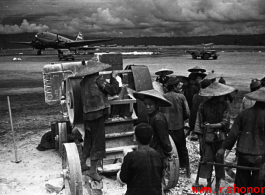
(250, 40)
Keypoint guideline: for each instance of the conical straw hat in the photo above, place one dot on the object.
(182, 78)
(216, 89)
(197, 69)
(165, 70)
(258, 95)
(92, 66)
(193, 75)
(161, 101)
(158, 87)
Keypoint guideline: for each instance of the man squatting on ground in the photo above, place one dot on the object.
(94, 91)
(142, 170)
(248, 131)
(176, 115)
(212, 125)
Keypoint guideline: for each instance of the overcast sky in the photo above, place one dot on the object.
(123, 18)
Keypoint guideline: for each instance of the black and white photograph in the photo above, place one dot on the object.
(132, 97)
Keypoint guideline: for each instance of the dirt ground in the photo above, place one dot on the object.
(22, 82)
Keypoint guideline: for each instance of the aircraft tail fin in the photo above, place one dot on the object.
(79, 37)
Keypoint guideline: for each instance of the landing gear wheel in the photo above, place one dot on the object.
(71, 173)
(171, 177)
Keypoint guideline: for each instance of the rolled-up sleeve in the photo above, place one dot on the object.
(111, 88)
(233, 134)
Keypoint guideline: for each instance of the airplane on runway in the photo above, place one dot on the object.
(50, 40)
(207, 44)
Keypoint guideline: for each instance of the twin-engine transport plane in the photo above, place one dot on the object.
(50, 40)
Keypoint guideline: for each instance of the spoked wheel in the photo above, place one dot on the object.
(72, 173)
(171, 177)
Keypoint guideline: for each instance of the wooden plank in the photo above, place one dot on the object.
(120, 149)
(123, 134)
(110, 168)
(124, 101)
(118, 127)
(120, 121)
(118, 71)
(120, 141)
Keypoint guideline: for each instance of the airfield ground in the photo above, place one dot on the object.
(22, 82)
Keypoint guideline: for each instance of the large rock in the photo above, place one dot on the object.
(54, 185)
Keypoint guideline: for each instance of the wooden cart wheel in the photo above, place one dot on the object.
(171, 177)
(74, 100)
(72, 173)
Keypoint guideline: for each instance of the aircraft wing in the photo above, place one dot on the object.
(87, 48)
(208, 44)
(85, 42)
(22, 43)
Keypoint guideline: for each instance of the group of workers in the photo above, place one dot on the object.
(199, 99)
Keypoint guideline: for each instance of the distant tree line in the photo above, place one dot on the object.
(249, 40)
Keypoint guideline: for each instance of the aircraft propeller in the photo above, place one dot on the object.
(58, 41)
(32, 43)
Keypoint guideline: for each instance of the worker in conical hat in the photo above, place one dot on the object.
(163, 76)
(197, 74)
(176, 115)
(196, 101)
(197, 69)
(160, 141)
(248, 130)
(94, 91)
(247, 103)
(212, 126)
(195, 77)
(184, 80)
(152, 94)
